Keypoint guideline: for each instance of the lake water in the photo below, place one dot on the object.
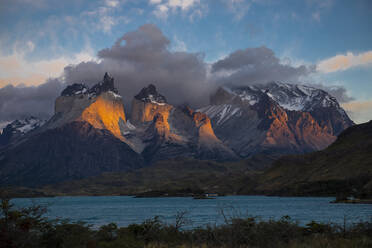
(125, 210)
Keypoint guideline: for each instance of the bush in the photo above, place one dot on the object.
(26, 227)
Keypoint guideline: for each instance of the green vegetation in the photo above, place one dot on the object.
(177, 177)
(26, 227)
(345, 167)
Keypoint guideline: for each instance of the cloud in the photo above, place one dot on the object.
(179, 45)
(319, 8)
(104, 18)
(16, 69)
(155, 1)
(256, 65)
(112, 3)
(359, 111)
(337, 91)
(238, 7)
(345, 61)
(164, 7)
(142, 57)
(22, 101)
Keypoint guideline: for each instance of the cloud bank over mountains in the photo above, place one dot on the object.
(143, 56)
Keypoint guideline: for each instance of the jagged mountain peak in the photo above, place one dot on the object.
(291, 97)
(106, 85)
(277, 116)
(297, 97)
(74, 89)
(101, 106)
(25, 125)
(18, 128)
(150, 94)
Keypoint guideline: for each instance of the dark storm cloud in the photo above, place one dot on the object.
(21, 101)
(142, 57)
(256, 65)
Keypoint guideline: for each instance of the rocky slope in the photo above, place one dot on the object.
(275, 118)
(101, 106)
(19, 128)
(83, 138)
(73, 151)
(167, 131)
(344, 167)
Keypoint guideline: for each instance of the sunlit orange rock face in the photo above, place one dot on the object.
(161, 125)
(169, 131)
(101, 106)
(204, 126)
(295, 130)
(146, 111)
(309, 132)
(250, 120)
(106, 112)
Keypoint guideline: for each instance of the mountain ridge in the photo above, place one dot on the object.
(241, 122)
(273, 126)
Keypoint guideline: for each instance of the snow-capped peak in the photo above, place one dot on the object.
(25, 125)
(298, 97)
(289, 96)
(293, 97)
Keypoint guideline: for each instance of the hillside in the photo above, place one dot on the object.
(178, 176)
(343, 167)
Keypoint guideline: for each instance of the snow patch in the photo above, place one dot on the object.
(130, 125)
(3, 125)
(221, 112)
(114, 94)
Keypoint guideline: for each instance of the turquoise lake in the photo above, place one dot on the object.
(125, 210)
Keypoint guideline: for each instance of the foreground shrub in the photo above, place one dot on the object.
(26, 227)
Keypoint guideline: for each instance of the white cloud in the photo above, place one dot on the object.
(179, 45)
(320, 7)
(359, 111)
(345, 61)
(15, 69)
(112, 3)
(107, 22)
(161, 11)
(163, 8)
(105, 17)
(183, 4)
(238, 7)
(155, 1)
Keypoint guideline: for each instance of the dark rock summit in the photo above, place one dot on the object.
(106, 85)
(74, 89)
(150, 94)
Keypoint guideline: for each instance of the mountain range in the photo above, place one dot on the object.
(90, 134)
(343, 169)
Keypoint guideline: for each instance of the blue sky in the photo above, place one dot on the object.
(39, 37)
